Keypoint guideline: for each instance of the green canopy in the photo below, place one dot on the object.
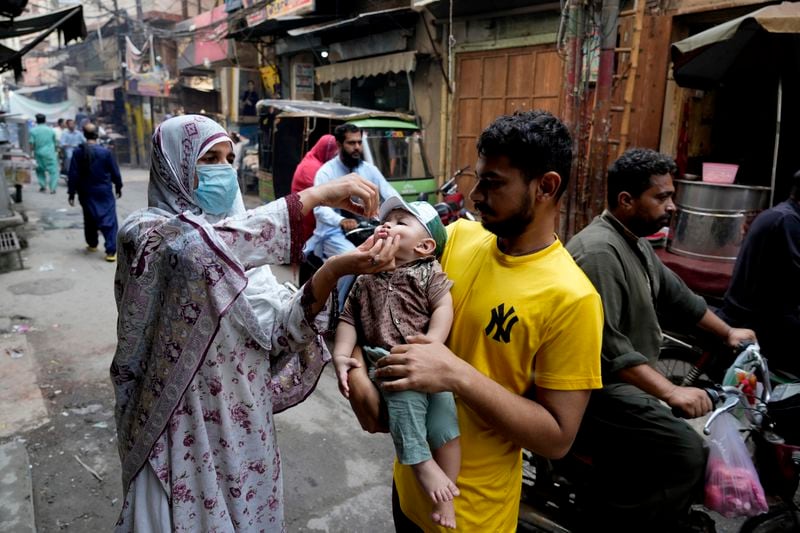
(384, 123)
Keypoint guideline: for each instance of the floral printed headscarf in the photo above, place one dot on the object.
(177, 145)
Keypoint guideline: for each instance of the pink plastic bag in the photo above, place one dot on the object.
(732, 484)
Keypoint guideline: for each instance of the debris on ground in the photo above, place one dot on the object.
(15, 353)
(88, 468)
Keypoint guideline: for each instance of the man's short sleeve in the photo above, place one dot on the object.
(570, 356)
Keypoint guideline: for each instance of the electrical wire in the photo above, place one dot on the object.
(451, 42)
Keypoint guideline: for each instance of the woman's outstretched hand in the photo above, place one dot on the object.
(339, 193)
(374, 255)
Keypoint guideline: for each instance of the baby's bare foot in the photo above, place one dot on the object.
(435, 482)
(444, 514)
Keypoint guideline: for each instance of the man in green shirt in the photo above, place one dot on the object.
(649, 465)
(43, 144)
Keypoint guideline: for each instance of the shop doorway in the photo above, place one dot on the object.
(497, 82)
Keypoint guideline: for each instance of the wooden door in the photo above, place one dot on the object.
(497, 82)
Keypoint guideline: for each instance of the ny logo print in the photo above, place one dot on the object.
(502, 323)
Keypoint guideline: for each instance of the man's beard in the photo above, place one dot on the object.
(513, 226)
(350, 161)
(645, 228)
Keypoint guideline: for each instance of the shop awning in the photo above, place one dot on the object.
(371, 66)
(106, 91)
(69, 22)
(272, 27)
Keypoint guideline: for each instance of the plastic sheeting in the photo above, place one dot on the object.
(28, 107)
(329, 110)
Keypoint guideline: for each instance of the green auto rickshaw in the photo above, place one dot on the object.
(289, 128)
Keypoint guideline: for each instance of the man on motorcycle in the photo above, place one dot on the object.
(764, 293)
(648, 465)
(329, 238)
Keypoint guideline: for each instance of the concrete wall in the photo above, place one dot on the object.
(429, 90)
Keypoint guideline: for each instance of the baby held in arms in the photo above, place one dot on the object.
(383, 310)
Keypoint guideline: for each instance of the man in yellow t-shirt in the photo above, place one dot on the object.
(524, 350)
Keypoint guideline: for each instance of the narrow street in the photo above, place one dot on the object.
(57, 436)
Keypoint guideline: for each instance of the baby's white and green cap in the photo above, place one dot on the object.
(422, 211)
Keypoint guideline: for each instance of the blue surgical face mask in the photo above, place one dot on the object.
(216, 188)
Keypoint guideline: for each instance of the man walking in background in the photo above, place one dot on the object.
(81, 117)
(92, 171)
(43, 145)
(59, 129)
(71, 138)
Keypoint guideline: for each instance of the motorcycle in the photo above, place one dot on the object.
(554, 492)
(452, 207)
(770, 419)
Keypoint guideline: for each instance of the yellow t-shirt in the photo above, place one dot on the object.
(533, 319)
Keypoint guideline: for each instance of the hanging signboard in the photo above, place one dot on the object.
(256, 17)
(282, 8)
(303, 81)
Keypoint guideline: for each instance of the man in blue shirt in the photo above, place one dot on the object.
(329, 238)
(71, 138)
(81, 117)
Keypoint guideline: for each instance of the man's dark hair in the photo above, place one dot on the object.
(794, 192)
(535, 142)
(90, 131)
(88, 154)
(60, 122)
(632, 172)
(40, 118)
(341, 131)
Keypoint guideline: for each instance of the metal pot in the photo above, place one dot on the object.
(711, 218)
(720, 198)
(706, 235)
